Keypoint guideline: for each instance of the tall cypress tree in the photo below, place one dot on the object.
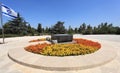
(39, 28)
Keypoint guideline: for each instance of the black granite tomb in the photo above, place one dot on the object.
(62, 38)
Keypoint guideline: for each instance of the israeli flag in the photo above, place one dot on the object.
(8, 11)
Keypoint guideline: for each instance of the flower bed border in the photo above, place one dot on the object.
(103, 56)
(83, 47)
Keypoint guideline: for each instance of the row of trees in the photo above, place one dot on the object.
(20, 27)
(103, 28)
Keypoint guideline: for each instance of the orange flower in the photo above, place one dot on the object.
(87, 43)
(39, 48)
(36, 48)
(37, 40)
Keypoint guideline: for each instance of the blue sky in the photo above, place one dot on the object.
(72, 12)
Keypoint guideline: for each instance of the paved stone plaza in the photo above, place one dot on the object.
(9, 66)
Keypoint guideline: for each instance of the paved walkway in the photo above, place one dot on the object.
(8, 66)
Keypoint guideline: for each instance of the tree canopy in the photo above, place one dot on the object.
(20, 27)
(58, 28)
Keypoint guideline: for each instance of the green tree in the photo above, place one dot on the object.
(0, 31)
(76, 30)
(117, 30)
(111, 29)
(16, 26)
(82, 28)
(49, 30)
(34, 31)
(105, 28)
(39, 28)
(70, 30)
(30, 31)
(88, 29)
(43, 30)
(95, 30)
(46, 30)
(58, 28)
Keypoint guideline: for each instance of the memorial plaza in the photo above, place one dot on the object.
(15, 60)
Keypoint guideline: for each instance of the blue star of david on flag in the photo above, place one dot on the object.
(8, 11)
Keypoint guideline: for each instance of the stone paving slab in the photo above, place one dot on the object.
(9, 66)
(103, 55)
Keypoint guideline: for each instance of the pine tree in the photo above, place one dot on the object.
(39, 28)
(29, 28)
(76, 30)
(70, 30)
(16, 26)
(58, 28)
(82, 28)
(88, 29)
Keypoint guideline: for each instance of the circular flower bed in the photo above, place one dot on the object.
(38, 40)
(81, 47)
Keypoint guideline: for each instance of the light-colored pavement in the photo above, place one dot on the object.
(8, 66)
(105, 55)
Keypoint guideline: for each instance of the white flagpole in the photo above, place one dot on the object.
(1, 20)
